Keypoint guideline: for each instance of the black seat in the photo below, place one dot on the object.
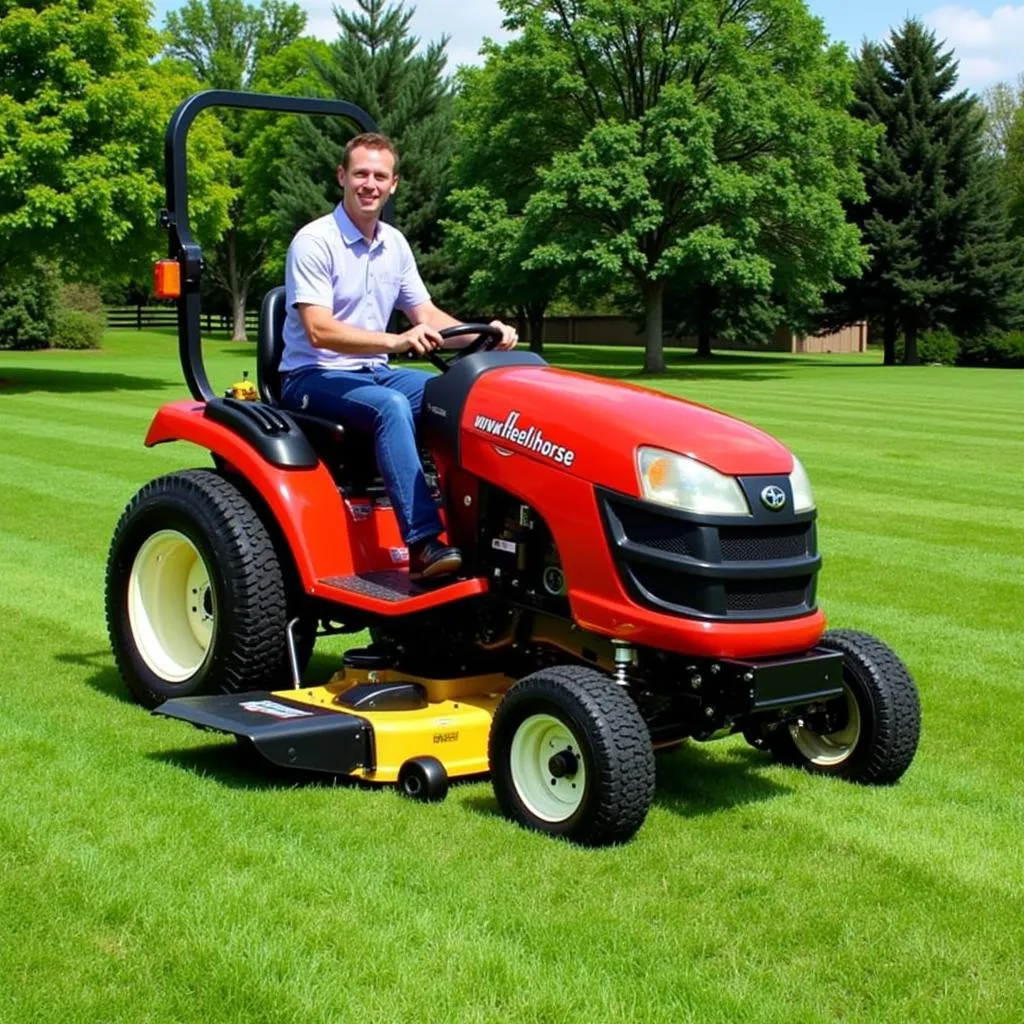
(326, 436)
(270, 345)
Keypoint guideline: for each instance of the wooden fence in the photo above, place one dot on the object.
(142, 318)
(565, 330)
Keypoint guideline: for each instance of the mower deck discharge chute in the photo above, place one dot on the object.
(638, 570)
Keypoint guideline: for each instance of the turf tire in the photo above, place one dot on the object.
(251, 605)
(889, 708)
(613, 741)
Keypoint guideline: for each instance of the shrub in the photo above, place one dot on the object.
(74, 328)
(939, 346)
(85, 297)
(28, 308)
(997, 349)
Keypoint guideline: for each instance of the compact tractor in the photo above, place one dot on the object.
(638, 570)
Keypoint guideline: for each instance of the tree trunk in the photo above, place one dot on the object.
(707, 299)
(522, 323)
(654, 343)
(238, 300)
(535, 312)
(238, 290)
(890, 330)
(910, 345)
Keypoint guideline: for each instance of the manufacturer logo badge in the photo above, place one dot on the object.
(773, 498)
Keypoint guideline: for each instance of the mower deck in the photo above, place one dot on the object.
(362, 723)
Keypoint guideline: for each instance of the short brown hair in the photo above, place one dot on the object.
(369, 140)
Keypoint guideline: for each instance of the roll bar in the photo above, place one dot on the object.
(174, 218)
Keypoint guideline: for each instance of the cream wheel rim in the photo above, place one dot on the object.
(548, 770)
(830, 748)
(171, 606)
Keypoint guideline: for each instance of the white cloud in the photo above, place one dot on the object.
(990, 47)
(466, 23)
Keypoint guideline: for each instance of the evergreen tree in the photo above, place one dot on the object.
(934, 221)
(374, 63)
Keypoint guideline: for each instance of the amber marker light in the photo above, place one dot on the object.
(659, 473)
(167, 279)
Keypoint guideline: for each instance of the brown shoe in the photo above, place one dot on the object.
(430, 558)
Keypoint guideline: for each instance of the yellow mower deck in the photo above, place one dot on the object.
(453, 727)
(319, 728)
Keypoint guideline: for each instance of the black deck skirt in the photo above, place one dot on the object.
(286, 733)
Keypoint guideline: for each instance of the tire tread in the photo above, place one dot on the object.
(624, 756)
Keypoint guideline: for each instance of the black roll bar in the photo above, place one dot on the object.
(174, 219)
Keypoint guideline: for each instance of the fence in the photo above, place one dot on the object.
(620, 330)
(142, 318)
(565, 330)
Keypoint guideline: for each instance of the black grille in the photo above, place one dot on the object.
(713, 568)
(757, 544)
(659, 532)
(769, 597)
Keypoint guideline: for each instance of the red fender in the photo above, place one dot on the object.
(326, 538)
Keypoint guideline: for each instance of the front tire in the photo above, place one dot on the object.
(872, 731)
(195, 598)
(570, 755)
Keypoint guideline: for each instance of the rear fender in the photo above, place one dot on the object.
(305, 503)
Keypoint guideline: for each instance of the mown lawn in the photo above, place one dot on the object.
(148, 875)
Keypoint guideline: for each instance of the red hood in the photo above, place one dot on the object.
(592, 427)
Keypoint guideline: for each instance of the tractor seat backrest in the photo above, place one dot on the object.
(270, 345)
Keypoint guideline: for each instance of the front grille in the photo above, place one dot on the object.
(713, 568)
(756, 544)
(764, 598)
(659, 532)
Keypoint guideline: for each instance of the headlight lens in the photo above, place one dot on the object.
(803, 496)
(684, 483)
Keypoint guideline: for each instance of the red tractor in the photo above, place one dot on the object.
(638, 570)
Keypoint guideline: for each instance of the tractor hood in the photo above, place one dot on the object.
(592, 427)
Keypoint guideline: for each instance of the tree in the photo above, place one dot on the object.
(1012, 174)
(83, 113)
(1004, 141)
(933, 219)
(1001, 101)
(374, 63)
(507, 131)
(226, 43)
(713, 141)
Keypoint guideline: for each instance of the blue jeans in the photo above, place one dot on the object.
(385, 403)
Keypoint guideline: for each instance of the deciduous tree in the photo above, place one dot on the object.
(83, 111)
(713, 143)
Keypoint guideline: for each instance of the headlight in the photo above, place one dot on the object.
(684, 483)
(803, 497)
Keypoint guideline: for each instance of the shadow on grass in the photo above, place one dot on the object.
(691, 783)
(105, 678)
(21, 380)
(237, 765)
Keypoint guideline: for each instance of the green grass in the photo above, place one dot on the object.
(148, 875)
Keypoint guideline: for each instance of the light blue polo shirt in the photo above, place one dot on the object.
(330, 264)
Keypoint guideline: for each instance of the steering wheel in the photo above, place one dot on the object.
(488, 339)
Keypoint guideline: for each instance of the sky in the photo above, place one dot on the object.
(988, 38)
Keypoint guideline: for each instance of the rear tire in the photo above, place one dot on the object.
(877, 723)
(570, 755)
(195, 597)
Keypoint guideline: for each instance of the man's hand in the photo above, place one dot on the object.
(509, 336)
(420, 339)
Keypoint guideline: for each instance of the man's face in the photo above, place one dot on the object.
(369, 181)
